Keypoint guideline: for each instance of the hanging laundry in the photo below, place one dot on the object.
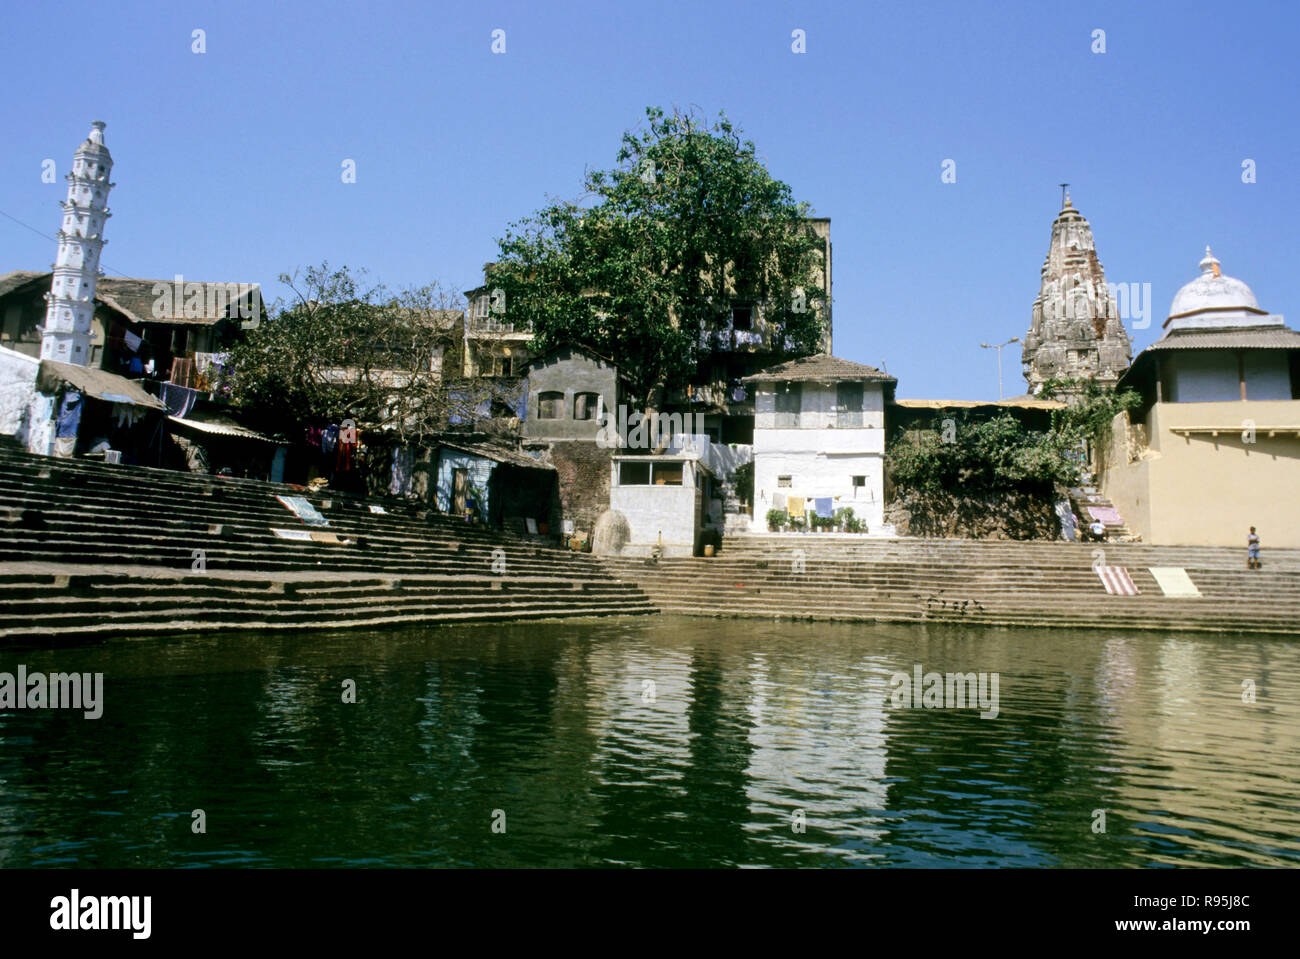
(132, 341)
(329, 440)
(822, 505)
(795, 507)
(179, 400)
(69, 420)
(403, 469)
(778, 501)
(343, 461)
(124, 414)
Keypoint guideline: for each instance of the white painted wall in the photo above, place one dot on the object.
(17, 392)
(819, 407)
(820, 457)
(652, 511)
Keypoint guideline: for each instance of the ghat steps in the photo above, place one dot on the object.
(89, 550)
(1000, 583)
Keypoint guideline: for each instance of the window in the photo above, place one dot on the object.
(789, 402)
(668, 474)
(789, 397)
(783, 482)
(848, 402)
(586, 406)
(742, 318)
(859, 481)
(633, 474)
(550, 405)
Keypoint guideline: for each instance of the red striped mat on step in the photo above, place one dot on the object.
(1117, 581)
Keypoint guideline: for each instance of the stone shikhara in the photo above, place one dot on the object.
(1076, 329)
(56, 691)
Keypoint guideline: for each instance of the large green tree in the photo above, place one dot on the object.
(341, 348)
(651, 259)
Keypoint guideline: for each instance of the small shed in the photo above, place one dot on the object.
(494, 484)
(662, 498)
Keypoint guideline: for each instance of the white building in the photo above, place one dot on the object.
(819, 438)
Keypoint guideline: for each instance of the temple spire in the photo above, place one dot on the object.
(1075, 330)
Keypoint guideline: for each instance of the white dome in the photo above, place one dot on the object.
(1213, 291)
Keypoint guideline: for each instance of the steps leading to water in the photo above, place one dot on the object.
(971, 581)
(89, 550)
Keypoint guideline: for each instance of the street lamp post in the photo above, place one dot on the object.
(998, 347)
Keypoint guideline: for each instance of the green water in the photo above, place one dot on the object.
(659, 742)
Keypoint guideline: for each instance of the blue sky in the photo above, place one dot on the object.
(228, 163)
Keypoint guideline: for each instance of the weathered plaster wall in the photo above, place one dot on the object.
(569, 372)
(17, 391)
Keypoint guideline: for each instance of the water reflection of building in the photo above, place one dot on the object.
(1192, 764)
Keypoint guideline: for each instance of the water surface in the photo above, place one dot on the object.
(658, 741)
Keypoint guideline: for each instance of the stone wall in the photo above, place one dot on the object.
(1005, 515)
(583, 473)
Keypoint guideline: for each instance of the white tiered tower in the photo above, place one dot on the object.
(66, 335)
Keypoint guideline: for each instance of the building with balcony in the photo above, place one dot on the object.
(819, 438)
(1215, 446)
(746, 346)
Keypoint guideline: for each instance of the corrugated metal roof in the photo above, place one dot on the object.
(1240, 338)
(223, 429)
(823, 367)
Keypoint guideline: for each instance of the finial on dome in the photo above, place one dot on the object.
(1067, 199)
(97, 132)
(1210, 264)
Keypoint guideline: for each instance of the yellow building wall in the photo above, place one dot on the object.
(1204, 490)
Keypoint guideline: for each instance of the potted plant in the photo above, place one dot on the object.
(776, 519)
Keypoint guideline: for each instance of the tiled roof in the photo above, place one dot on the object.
(822, 367)
(11, 281)
(1239, 338)
(499, 454)
(135, 298)
(1026, 401)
